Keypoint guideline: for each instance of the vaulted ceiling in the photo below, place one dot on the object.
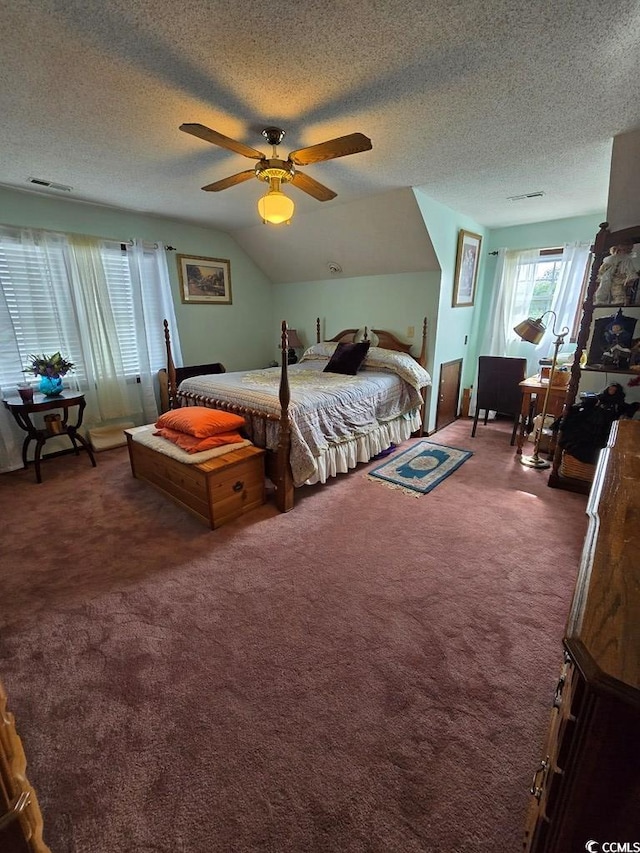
(471, 102)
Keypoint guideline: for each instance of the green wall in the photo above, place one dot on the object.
(240, 335)
(397, 303)
(245, 334)
(454, 325)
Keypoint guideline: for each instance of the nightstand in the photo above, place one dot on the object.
(65, 401)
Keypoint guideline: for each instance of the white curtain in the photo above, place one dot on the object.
(102, 305)
(510, 304)
(506, 303)
(153, 304)
(11, 436)
(106, 384)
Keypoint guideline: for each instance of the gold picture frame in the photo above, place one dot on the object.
(466, 275)
(205, 281)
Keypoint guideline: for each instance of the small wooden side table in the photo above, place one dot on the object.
(533, 391)
(22, 412)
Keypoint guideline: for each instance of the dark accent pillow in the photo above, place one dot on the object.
(347, 358)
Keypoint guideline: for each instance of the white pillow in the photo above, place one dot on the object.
(400, 363)
(319, 351)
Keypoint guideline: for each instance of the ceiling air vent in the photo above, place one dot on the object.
(538, 194)
(42, 182)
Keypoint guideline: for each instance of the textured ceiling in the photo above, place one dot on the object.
(470, 101)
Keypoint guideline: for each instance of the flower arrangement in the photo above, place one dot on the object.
(52, 366)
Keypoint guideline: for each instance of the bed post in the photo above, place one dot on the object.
(283, 476)
(318, 339)
(171, 368)
(422, 359)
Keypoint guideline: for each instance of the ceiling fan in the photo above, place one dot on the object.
(275, 206)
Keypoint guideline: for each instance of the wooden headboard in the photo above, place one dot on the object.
(386, 340)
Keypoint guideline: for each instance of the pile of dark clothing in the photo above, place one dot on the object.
(585, 428)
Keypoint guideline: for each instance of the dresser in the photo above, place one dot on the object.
(586, 786)
(20, 816)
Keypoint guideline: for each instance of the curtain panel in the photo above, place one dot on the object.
(101, 304)
(511, 304)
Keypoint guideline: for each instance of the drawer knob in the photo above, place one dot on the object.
(239, 486)
(557, 698)
(16, 807)
(537, 789)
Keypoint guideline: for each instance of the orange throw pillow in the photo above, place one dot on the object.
(194, 445)
(200, 421)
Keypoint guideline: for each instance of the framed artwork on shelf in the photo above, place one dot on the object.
(204, 280)
(467, 259)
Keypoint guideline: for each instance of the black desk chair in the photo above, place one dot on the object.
(498, 388)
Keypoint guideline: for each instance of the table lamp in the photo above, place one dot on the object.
(531, 331)
(294, 344)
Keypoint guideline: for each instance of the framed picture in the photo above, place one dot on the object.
(204, 280)
(467, 259)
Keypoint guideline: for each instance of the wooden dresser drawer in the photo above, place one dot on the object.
(548, 776)
(586, 788)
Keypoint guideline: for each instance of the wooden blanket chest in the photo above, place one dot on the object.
(215, 491)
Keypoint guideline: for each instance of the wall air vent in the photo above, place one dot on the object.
(42, 182)
(538, 194)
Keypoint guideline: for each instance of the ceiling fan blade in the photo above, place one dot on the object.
(312, 187)
(353, 143)
(216, 138)
(231, 181)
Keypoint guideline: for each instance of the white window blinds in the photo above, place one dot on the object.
(100, 303)
(40, 315)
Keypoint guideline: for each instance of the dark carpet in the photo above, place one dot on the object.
(368, 673)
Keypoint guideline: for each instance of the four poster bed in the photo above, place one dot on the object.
(315, 423)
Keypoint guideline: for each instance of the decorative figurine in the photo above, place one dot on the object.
(618, 277)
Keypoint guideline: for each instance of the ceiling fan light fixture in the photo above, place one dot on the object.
(275, 207)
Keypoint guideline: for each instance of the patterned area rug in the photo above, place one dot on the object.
(420, 468)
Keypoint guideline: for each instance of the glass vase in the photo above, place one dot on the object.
(50, 386)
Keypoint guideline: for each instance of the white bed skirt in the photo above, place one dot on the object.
(340, 458)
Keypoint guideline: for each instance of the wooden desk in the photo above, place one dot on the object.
(533, 391)
(22, 412)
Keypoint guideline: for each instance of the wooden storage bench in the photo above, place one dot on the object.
(215, 491)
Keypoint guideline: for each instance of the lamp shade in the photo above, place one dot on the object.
(294, 339)
(530, 330)
(275, 207)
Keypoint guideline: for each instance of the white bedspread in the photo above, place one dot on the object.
(336, 421)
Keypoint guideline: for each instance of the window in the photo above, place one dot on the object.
(45, 310)
(550, 279)
(101, 304)
(528, 283)
(37, 300)
(117, 262)
(536, 281)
